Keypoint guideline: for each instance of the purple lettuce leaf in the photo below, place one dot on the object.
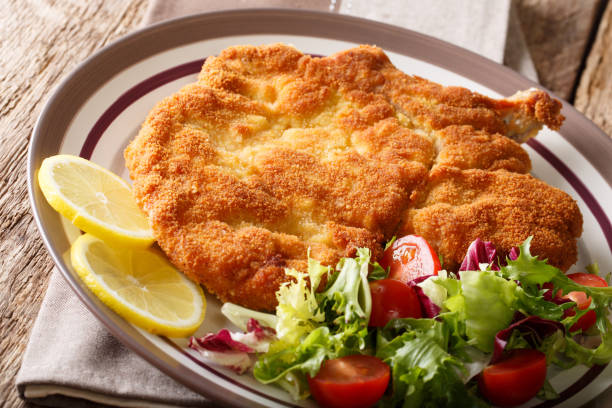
(234, 350)
(533, 328)
(479, 252)
(428, 308)
(260, 332)
(514, 253)
(220, 342)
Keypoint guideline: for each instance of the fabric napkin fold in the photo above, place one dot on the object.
(72, 360)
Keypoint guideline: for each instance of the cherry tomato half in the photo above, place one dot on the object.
(582, 300)
(355, 381)
(410, 257)
(514, 380)
(392, 299)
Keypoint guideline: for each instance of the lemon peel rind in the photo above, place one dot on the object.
(129, 312)
(113, 234)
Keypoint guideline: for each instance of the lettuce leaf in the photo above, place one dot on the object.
(436, 294)
(288, 367)
(233, 349)
(432, 360)
(531, 330)
(485, 303)
(241, 316)
(349, 293)
(602, 354)
(532, 273)
(480, 252)
(527, 269)
(423, 373)
(298, 309)
(313, 327)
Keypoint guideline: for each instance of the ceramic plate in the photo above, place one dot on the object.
(98, 109)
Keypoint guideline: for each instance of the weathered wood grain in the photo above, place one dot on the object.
(557, 33)
(40, 42)
(594, 94)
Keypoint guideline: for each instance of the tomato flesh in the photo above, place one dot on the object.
(392, 299)
(514, 380)
(410, 257)
(355, 381)
(582, 300)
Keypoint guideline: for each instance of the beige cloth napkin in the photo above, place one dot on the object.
(71, 360)
(488, 28)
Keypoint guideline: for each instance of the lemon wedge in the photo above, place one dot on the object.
(140, 285)
(94, 199)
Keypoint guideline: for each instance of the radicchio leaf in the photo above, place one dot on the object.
(514, 253)
(257, 337)
(233, 350)
(221, 349)
(533, 328)
(220, 342)
(479, 252)
(550, 296)
(428, 308)
(260, 332)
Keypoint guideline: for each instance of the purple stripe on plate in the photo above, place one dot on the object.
(131, 96)
(225, 377)
(169, 75)
(575, 387)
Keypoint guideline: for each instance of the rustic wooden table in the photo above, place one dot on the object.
(42, 41)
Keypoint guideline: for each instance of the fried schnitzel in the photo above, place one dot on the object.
(272, 152)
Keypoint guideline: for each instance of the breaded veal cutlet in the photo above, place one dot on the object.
(272, 152)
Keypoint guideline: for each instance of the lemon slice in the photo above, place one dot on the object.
(94, 199)
(141, 285)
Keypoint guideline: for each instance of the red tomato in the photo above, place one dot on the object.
(392, 299)
(410, 257)
(352, 382)
(514, 380)
(582, 300)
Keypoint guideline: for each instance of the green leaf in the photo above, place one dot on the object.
(602, 354)
(435, 292)
(565, 352)
(350, 292)
(288, 366)
(377, 272)
(313, 327)
(297, 310)
(431, 328)
(240, 316)
(487, 302)
(532, 272)
(390, 242)
(527, 269)
(424, 374)
(593, 268)
(531, 305)
(553, 347)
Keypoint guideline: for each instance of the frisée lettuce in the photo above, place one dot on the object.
(478, 315)
(313, 327)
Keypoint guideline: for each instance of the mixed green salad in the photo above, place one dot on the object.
(411, 334)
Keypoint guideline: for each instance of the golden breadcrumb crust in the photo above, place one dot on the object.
(272, 152)
(459, 206)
